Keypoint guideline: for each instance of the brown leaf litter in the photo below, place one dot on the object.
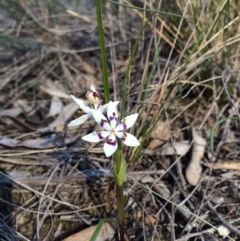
(59, 185)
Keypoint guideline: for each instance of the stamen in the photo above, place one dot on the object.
(124, 122)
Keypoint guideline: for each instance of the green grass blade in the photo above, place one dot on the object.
(171, 88)
(102, 50)
(124, 96)
(214, 128)
(99, 226)
(150, 10)
(149, 78)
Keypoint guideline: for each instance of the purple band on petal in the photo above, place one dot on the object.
(112, 142)
(113, 118)
(99, 135)
(103, 122)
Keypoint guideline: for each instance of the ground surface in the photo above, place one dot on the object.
(53, 184)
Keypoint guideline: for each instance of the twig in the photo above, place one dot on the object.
(85, 175)
(224, 221)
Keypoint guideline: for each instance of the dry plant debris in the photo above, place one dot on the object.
(47, 54)
(106, 233)
(226, 165)
(176, 148)
(160, 134)
(194, 169)
(223, 231)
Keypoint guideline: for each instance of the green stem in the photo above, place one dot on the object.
(102, 50)
(120, 211)
(119, 195)
(119, 167)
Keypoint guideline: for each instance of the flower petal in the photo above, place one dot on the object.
(103, 108)
(82, 104)
(79, 121)
(127, 122)
(115, 104)
(112, 114)
(110, 145)
(96, 136)
(97, 106)
(92, 88)
(128, 139)
(101, 119)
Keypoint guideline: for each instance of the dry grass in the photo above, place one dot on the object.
(54, 183)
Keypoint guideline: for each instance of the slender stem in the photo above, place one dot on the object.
(117, 155)
(120, 211)
(102, 50)
(119, 195)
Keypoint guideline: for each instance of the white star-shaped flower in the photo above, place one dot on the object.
(93, 99)
(88, 111)
(112, 130)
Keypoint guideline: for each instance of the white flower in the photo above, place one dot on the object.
(111, 130)
(87, 110)
(93, 98)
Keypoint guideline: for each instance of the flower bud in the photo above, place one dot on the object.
(93, 96)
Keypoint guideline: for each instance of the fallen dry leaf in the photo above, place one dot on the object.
(62, 118)
(184, 210)
(10, 142)
(48, 141)
(150, 219)
(55, 107)
(158, 185)
(229, 165)
(24, 105)
(139, 214)
(160, 134)
(106, 233)
(194, 168)
(54, 89)
(175, 148)
(11, 112)
(154, 144)
(161, 188)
